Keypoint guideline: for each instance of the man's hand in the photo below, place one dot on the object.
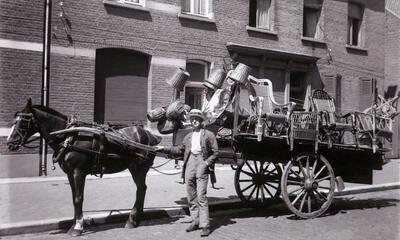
(159, 148)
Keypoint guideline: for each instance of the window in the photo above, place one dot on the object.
(194, 89)
(312, 19)
(260, 14)
(198, 7)
(136, 2)
(355, 19)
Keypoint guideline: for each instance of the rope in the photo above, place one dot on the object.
(163, 164)
(180, 172)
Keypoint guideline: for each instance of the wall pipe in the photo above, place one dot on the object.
(45, 79)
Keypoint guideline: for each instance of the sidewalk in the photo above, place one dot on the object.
(27, 203)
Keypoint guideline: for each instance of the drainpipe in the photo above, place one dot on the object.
(45, 79)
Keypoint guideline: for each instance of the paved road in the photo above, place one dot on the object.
(367, 216)
(25, 199)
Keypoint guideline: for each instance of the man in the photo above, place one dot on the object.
(200, 151)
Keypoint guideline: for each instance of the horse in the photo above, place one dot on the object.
(77, 164)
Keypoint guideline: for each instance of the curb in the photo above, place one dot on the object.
(120, 217)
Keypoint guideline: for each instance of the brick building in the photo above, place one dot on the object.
(109, 59)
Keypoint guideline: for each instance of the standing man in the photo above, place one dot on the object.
(200, 151)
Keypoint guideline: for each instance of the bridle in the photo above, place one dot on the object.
(26, 121)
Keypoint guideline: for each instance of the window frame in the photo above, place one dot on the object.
(209, 10)
(198, 84)
(318, 8)
(253, 23)
(350, 25)
(141, 3)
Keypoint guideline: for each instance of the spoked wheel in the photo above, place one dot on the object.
(308, 185)
(257, 181)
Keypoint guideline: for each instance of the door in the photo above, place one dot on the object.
(121, 86)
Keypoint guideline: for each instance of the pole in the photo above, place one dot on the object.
(45, 79)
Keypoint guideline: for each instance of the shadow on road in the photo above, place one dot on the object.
(339, 206)
(225, 214)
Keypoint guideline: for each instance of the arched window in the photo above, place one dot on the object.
(194, 88)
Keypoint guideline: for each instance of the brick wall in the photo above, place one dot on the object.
(392, 50)
(92, 25)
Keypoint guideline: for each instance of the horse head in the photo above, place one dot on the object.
(23, 128)
(33, 119)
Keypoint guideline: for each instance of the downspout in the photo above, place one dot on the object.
(45, 79)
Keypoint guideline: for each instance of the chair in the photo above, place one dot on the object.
(331, 124)
(386, 108)
(373, 128)
(274, 115)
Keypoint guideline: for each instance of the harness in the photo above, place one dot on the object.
(99, 134)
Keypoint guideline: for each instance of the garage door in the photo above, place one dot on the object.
(121, 86)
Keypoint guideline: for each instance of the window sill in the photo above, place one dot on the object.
(356, 48)
(125, 5)
(195, 17)
(260, 30)
(313, 40)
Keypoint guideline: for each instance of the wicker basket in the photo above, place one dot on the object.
(156, 114)
(215, 80)
(176, 109)
(179, 79)
(240, 73)
(167, 126)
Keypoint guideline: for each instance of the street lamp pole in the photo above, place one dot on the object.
(45, 80)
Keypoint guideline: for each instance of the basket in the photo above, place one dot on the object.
(179, 79)
(167, 126)
(156, 114)
(304, 126)
(176, 109)
(240, 73)
(215, 80)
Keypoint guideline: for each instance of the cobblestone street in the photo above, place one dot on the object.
(363, 216)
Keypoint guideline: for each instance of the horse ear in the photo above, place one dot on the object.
(29, 103)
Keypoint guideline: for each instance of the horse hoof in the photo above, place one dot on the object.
(76, 233)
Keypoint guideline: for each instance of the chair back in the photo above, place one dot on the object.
(322, 103)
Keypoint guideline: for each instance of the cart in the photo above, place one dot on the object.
(301, 156)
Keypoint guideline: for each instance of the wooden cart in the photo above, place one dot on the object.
(297, 155)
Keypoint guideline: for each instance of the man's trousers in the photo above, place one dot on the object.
(196, 178)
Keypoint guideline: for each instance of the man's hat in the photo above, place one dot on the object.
(196, 113)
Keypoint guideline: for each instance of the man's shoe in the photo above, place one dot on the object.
(205, 232)
(192, 227)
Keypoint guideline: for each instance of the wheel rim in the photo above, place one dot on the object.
(308, 185)
(257, 181)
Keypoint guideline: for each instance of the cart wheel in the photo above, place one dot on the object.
(308, 185)
(256, 181)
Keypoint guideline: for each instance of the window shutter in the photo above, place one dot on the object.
(366, 93)
(330, 84)
(338, 92)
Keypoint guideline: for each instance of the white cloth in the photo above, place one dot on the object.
(216, 105)
(196, 147)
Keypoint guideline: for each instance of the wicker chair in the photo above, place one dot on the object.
(332, 125)
(268, 111)
(372, 129)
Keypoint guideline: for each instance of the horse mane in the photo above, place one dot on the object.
(51, 111)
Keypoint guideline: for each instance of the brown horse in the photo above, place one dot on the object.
(82, 158)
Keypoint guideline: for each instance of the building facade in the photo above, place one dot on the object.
(109, 59)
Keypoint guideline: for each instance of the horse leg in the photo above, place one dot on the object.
(72, 185)
(79, 178)
(138, 173)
